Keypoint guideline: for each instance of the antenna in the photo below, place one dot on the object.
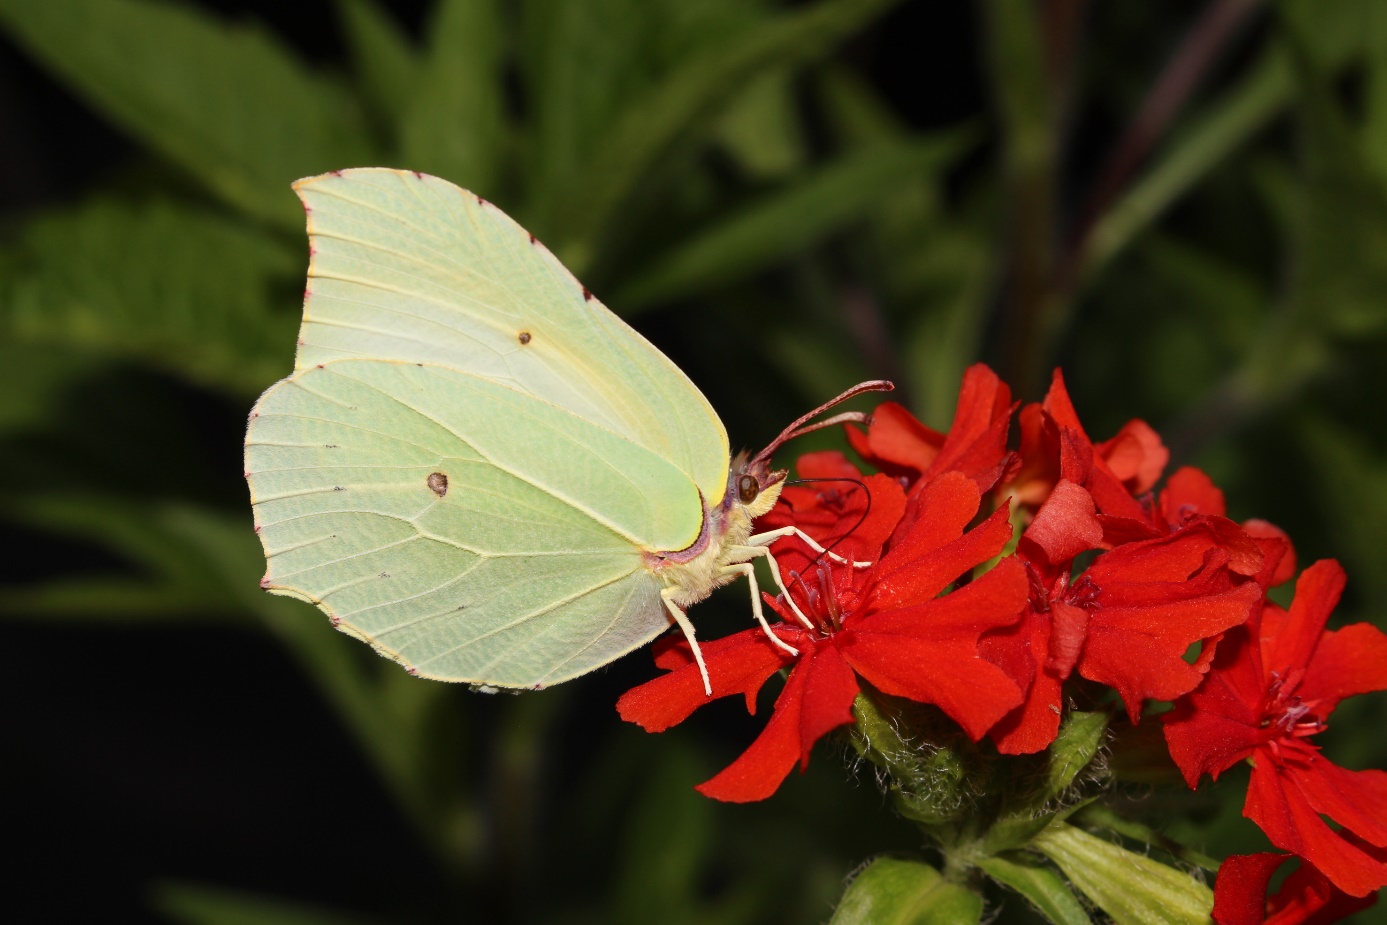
(798, 427)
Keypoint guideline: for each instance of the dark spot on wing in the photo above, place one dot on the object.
(587, 295)
(524, 338)
(532, 237)
(438, 483)
(417, 175)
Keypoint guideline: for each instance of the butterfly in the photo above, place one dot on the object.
(475, 466)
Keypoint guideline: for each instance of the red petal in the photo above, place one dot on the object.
(1039, 457)
(976, 442)
(1240, 892)
(1064, 526)
(929, 653)
(896, 439)
(1219, 724)
(1292, 824)
(937, 512)
(917, 569)
(1349, 661)
(1136, 456)
(1277, 551)
(826, 464)
(1307, 897)
(1189, 492)
(817, 698)
(1139, 650)
(1169, 559)
(1068, 633)
(1021, 651)
(737, 664)
(1060, 408)
(1244, 552)
(1357, 800)
(1316, 593)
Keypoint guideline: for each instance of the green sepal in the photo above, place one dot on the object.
(936, 776)
(1098, 816)
(1016, 830)
(1041, 885)
(891, 891)
(1129, 887)
(1080, 737)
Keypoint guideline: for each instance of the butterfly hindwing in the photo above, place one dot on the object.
(467, 529)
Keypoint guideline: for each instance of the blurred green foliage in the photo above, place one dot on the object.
(735, 172)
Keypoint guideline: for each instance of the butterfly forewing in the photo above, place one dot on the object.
(410, 267)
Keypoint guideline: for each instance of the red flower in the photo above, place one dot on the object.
(885, 624)
(837, 505)
(1126, 622)
(1115, 471)
(1273, 685)
(1307, 897)
(976, 444)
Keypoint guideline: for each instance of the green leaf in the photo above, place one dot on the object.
(382, 705)
(1130, 887)
(790, 220)
(1352, 482)
(199, 904)
(93, 601)
(386, 63)
(1339, 238)
(33, 378)
(581, 64)
(453, 122)
(675, 110)
(1041, 886)
(659, 878)
(227, 103)
(181, 289)
(1209, 137)
(1341, 232)
(761, 129)
(890, 891)
(177, 581)
(210, 562)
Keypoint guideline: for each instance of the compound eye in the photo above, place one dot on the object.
(748, 488)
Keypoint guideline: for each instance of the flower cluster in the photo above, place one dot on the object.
(1004, 583)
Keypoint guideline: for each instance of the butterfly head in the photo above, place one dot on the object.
(754, 484)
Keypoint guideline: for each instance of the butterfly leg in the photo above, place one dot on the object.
(770, 536)
(756, 550)
(745, 568)
(687, 626)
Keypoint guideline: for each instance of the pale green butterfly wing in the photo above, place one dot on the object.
(409, 267)
(525, 568)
